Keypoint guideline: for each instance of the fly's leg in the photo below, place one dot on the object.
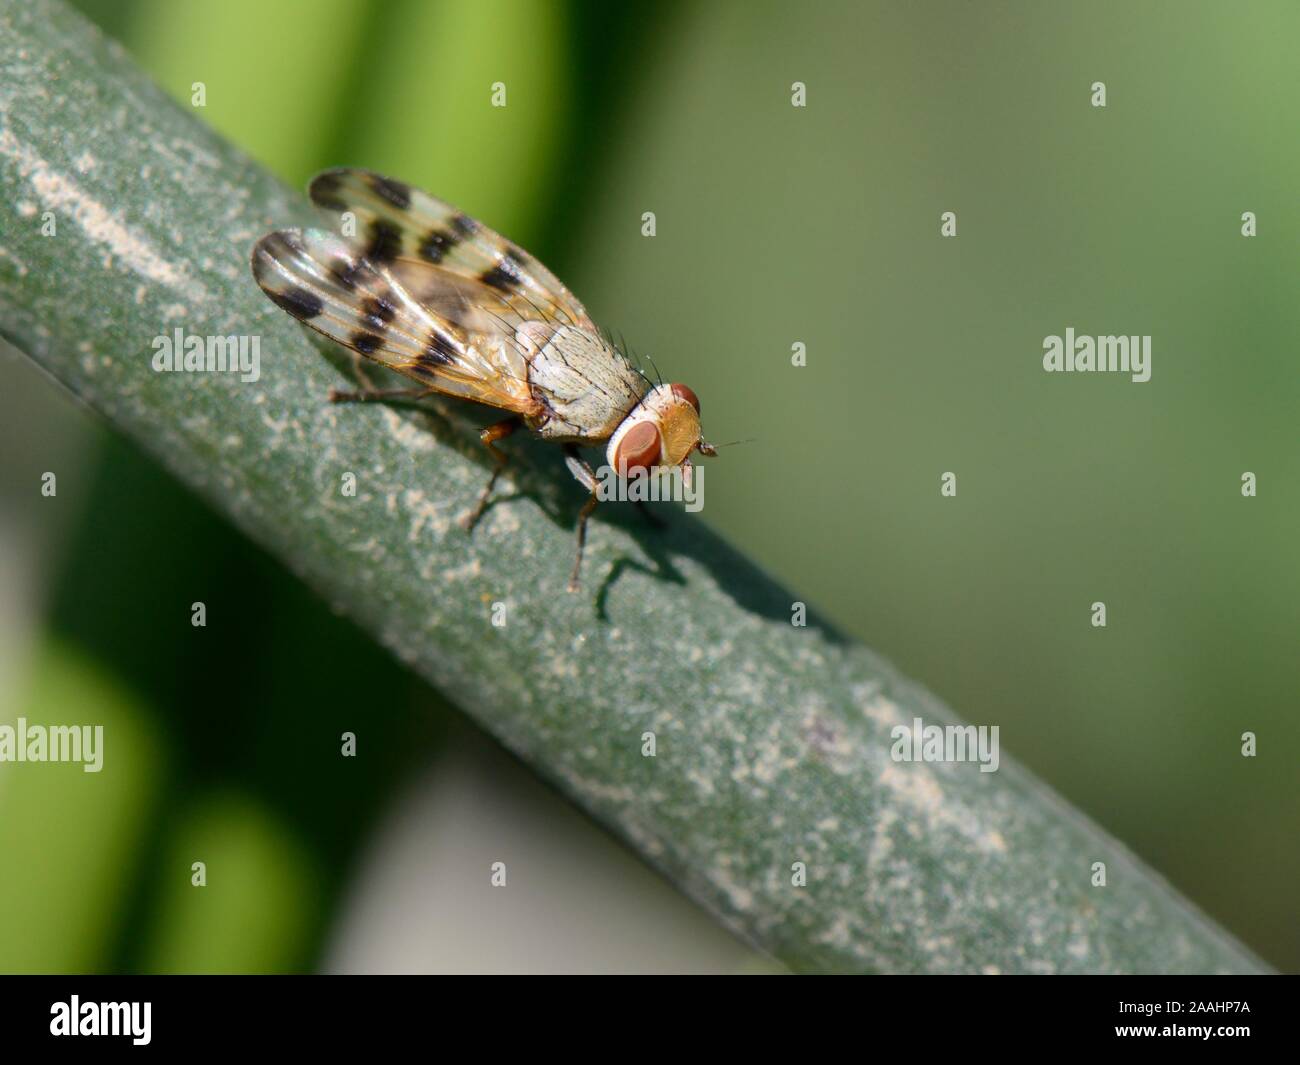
(586, 476)
(583, 515)
(490, 436)
(378, 395)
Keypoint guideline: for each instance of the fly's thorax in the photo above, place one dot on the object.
(661, 430)
(586, 386)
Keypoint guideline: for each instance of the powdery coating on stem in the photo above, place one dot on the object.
(60, 193)
(772, 741)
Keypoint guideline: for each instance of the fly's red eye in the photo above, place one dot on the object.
(639, 449)
(687, 396)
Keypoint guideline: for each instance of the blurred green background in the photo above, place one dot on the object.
(775, 225)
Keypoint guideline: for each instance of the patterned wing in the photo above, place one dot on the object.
(382, 312)
(410, 231)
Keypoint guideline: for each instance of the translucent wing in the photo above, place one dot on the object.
(402, 317)
(410, 230)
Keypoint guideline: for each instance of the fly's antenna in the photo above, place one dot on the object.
(705, 448)
(733, 443)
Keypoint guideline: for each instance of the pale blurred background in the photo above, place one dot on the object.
(775, 225)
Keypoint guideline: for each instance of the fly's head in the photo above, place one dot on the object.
(662, 430)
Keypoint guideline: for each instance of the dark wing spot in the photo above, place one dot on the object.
(395, 192)
(346, 272)
(439, 351)
(377, 312)
(324, 190)
(366, 343)
(506, 275)
(463, 226)
(297, 301)
(385, 241)
(437, 244)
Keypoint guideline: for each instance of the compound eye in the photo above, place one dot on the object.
(686, 395)
(638, 450)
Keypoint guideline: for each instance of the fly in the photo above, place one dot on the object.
(425, 290)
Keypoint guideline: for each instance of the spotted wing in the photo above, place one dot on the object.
(383, 312)
(409, 230)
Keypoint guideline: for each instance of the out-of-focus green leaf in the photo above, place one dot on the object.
(424, 110)
(68, 837)
(290, 84)
(257, 904)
